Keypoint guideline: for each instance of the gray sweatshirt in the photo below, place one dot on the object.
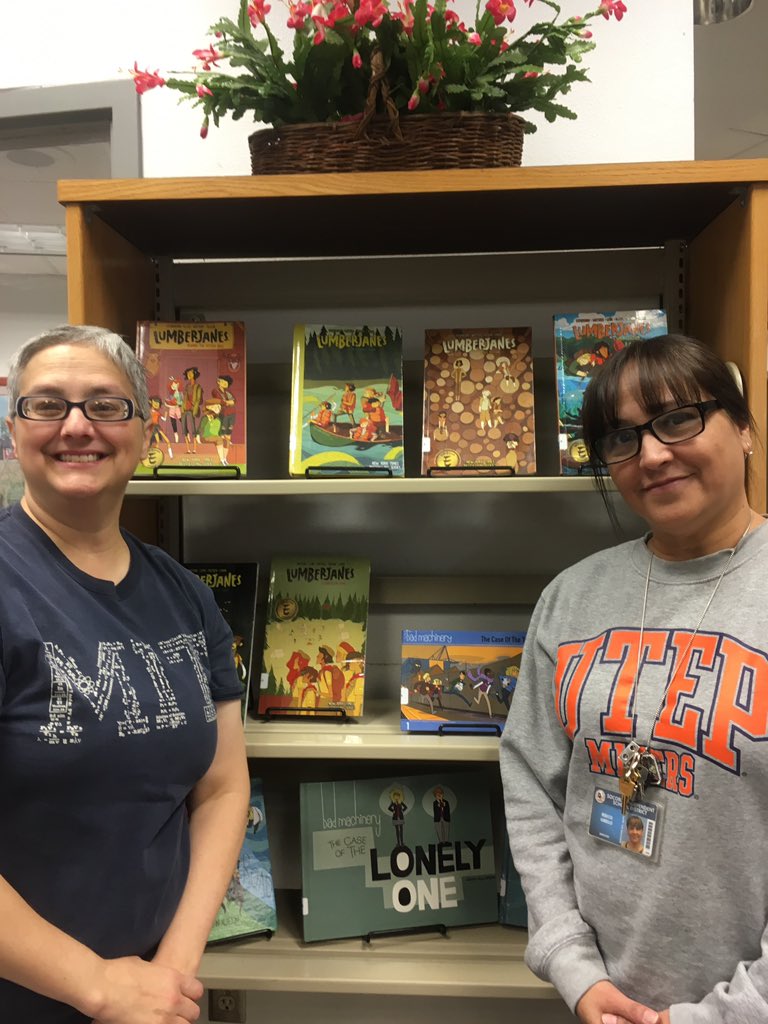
(686, 927)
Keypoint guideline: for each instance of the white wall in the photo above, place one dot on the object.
(638, 106)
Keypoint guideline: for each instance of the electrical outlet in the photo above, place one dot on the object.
(226, 1006)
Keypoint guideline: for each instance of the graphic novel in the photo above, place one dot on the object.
(248, 906)
(234, 587)
(314, 643)
(512, 906)
(396, 853)
(466, 678)
(346, 400)
(478, 401)
(196, 374)
(584, 341)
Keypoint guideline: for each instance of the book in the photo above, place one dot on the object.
(234, 587)
(248, 907)
(11, 480)
(583, 342)
(457, 678)
(396, 853)
(478, 401)
(196, 373)
(314, 640)
(512, 906)
(346, 400)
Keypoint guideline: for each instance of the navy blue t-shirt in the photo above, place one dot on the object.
(107, 721)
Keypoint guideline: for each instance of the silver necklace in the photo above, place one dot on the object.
(640, 767)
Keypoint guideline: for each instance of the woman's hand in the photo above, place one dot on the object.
(136, 992)
(603, 1003)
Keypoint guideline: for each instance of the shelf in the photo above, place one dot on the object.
(376, 735)
(480, 961)
(161, 488)
(502, 209)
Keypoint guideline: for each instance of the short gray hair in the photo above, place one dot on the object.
(108, 343)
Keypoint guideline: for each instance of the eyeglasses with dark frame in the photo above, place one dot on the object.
(670, 427)
(101, 409)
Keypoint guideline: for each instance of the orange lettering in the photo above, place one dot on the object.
(740, 705)
(574, 663)
(600, 757)
(684, 732)
(622, 647)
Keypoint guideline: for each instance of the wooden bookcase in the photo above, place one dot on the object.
(502, 238)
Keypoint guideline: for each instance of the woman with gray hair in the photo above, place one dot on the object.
(125, 784)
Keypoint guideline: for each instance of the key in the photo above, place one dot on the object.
(628, 787)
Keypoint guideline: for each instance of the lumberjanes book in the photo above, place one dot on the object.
(196, 373)
(248, 907)
(314, 641)
(466, 678)
(512, 906)
(583, 342)
(234, 587)
(346, 400)
(396, 853)
(478, 401)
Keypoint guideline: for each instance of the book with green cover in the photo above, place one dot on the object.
(396, 853)
(314, 640)
(347, 400)
(248, 907)
(234, 587)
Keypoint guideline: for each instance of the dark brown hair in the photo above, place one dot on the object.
(672, 365)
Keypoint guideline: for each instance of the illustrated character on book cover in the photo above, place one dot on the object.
(314, 643)
(346, 400)
(583, 343)
(478, 401)
(197, 380)
(464, 678)
(396, 854)
(248, 907)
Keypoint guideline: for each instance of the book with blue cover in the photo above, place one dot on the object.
(248, 907)
(396, 853)
(458, 679)
(583, 342)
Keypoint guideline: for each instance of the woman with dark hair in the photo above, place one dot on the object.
(645, 674)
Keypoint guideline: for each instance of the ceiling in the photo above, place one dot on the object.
(731, 120)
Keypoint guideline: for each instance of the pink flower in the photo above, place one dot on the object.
(203, 90)
(475, 39)
(298, 14)
(357, 60)
(257, 11)
(616, 8)
(586, 34)
(204, 129)
(370, 12)
(319, 36)
(423, 86)
(413, 102)
(207, 57)
(531, 74)
(501, 10)
(145, 80)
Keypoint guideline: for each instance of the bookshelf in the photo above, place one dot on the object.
(692, 236)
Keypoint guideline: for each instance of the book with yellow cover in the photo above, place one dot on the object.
(196, 374)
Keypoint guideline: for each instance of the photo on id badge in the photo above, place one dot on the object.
(635, 831)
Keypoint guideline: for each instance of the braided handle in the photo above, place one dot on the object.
(379, 85)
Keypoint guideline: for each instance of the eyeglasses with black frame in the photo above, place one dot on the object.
(101, 409)
(670, 427)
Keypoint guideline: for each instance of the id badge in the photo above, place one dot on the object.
(637, 832)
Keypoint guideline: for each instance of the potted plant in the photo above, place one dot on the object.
(367, 73)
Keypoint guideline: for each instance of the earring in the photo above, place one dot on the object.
(747, 454)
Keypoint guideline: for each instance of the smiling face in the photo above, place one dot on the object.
(76, 458)
(689, 492)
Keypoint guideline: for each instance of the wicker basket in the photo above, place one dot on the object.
(429, 142)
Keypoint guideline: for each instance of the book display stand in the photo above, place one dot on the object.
(273, 714)
(422, 929)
